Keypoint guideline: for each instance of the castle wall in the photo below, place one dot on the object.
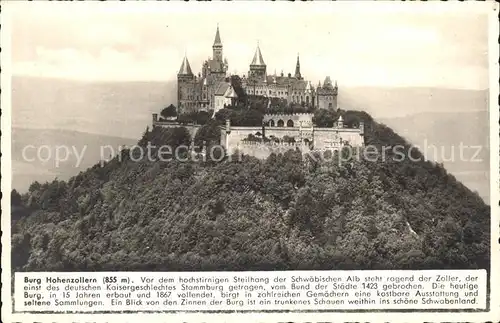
(296, 118)
(237, 135)
(193, 129)
(262, 151)
(325, 138)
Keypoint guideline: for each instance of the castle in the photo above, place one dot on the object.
(211, 90)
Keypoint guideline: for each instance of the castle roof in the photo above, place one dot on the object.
(308, 86)
(217, 41)
(215, 66)
(291, 82)
(327, 84)
(257, 58)
(231, 93)
(222, 88)
(185, 67)
(297, 68)
(300, 85)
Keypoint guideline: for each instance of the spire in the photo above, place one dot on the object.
(185, 67)
(327, 84)
(297, 68)
(257, 57)
(217, 41)
(308, 87)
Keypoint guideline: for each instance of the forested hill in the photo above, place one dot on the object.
(281, 213)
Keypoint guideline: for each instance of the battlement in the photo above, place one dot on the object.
(289, 115)
(272, 144)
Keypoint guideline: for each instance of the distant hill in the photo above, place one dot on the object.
(25, 172)
(120, 109)
(446, 131)
(123, 109)
(276, 214)
(390, 102)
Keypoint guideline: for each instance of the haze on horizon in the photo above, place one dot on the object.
(94, 42)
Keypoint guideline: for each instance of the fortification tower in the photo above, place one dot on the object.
(186, 86)
(217, 47)
(326, 95)
(258, 67)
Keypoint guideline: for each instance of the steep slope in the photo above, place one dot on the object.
(286, 212)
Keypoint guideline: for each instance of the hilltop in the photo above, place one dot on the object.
(285, 212)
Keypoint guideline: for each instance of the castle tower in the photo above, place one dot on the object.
(185, 70)
(185, 86)
(297, 69)
(326, 95)
(258, 67)
(217, 47)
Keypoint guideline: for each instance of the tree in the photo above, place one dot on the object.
(15, 198)
(170, 111)
(202, 117)
(324, 118)
(208, 134)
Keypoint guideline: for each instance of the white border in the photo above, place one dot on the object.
(271, 8)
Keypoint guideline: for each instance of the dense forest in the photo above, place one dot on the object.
(290, 211)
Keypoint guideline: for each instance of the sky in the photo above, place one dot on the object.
(109, 41)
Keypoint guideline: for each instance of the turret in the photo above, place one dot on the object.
(327, 84)
(297, 69)
(340, 122)
(258, 67)
(217, 46)
(185, 70)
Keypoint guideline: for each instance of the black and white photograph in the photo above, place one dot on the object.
(239, 139)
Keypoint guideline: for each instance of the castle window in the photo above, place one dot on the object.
(307, 99)
(289, 123)
(281, 123)
(271, 123)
